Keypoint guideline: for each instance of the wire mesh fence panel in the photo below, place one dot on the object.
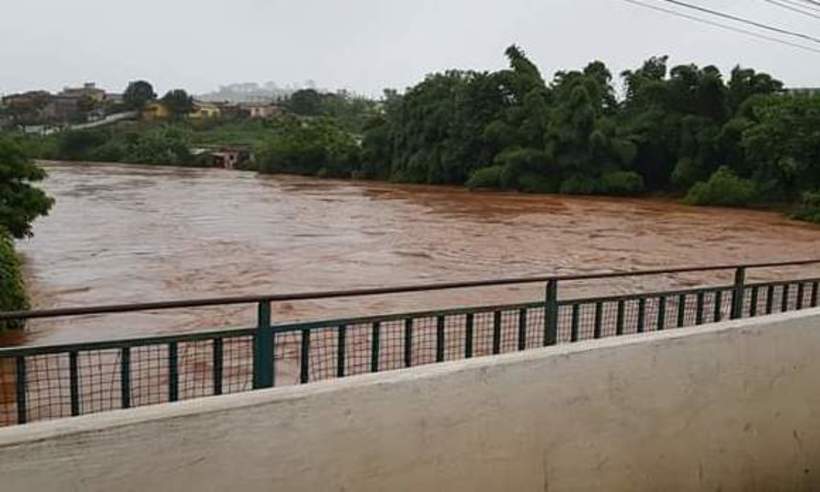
(586, 321)
(149, 375)
(632, 317)
(235, 372)
(424, 341)
(8, 391)
(194, 371)
(455, 329)
(535, 327)
(483, 327)
(286, 356)
(609, 319)
(392, 340)
(48, 394)
(100, 374)
(508, 333)
(322, 350)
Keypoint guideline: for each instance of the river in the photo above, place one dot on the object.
(128, 233)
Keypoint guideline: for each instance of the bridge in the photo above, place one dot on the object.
(54, 381)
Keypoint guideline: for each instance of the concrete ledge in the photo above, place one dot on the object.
(731, 406)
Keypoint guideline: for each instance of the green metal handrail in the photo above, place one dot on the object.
(331, 348)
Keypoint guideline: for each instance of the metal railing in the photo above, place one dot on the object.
(43, 382)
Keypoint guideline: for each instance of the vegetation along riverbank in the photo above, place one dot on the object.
(738, 139)
(20, 204)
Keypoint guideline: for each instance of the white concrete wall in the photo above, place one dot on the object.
(730, 407)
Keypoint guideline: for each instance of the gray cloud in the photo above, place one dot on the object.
(363, 45)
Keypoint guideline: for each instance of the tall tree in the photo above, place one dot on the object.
(306, 102)
(20, 201)
(178, 102)
(138, 94)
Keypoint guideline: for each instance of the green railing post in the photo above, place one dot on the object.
(22, 415)
(74, 382)
(263, 348)
(738, 294)
(217, 365)
(375, 346)
(173, 371)
(341, 350)
(522, 329)
(408, 342)
(125, 377)
(551, 314)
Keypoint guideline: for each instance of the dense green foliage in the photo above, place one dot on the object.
(12, 290)
(317, 147)
(138, 94)
(20, 201)
(350, 111)
(809, 208)
(723, 188)
(144, 144)
(20, 204)
(178, 102)
(510, 129)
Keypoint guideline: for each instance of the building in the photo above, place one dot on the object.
(27, 107)
(204, 110)
(262, 110)
(88, 90)
(155, 111)
(62, 108)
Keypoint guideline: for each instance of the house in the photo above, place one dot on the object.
(204, 110)
(155, 111)
(262, 111)
(62, 108)
(26, 108)
(88, 90)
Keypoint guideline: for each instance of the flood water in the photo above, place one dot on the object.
(127, 233)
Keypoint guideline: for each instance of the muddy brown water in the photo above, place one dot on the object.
(128, 233)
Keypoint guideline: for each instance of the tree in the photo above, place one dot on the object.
(138, 94)
(20, 201)
(306, 102)
(178, 102)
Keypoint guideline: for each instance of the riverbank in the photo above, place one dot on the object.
(790, 210)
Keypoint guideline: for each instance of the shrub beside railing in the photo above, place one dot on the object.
(12, 289)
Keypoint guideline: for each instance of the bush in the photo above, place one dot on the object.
(809, 210)
(724, 188)
(317, 148)
(12, 290)
(77, 145)
(538, 183)
(486, 177)
(622, 183)
(580, 185)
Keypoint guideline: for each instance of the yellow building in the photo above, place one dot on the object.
(204, 110)
(155, 111)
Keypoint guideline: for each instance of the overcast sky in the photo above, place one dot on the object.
(362, 45)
